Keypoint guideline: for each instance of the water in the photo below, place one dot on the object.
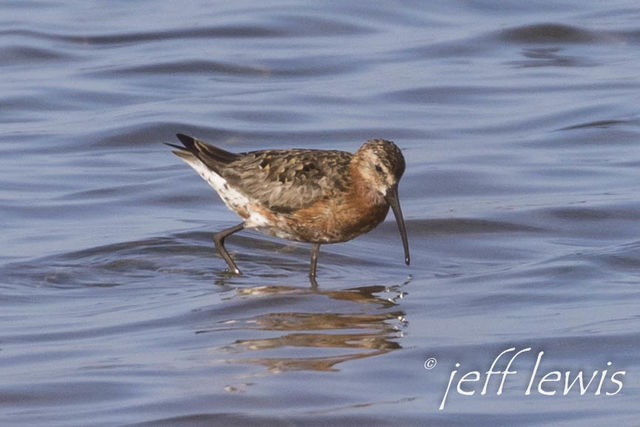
(520, 125)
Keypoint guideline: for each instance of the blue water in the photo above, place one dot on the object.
(521, 129)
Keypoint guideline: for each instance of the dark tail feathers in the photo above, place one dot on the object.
(208, 154)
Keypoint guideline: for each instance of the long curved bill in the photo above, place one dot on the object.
(392, 199)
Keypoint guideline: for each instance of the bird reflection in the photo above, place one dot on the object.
(366, 323)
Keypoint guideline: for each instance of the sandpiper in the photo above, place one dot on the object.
(304, 195)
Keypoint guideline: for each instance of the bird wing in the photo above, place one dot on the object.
(288, 180)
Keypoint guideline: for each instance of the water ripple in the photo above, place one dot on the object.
(519, 125)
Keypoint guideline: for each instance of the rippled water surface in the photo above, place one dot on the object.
(521, 128)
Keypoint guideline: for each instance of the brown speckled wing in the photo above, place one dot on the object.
(287, 180)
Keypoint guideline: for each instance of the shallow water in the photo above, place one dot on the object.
(521, 130)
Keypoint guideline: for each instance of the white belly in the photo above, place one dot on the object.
(230, 196)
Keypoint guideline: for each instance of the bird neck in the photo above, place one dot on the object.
(363, 191)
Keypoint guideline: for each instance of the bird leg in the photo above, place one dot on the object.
(315, 249)
(219, 237)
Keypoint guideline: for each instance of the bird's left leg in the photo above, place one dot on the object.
(219, 239)
(315, 249)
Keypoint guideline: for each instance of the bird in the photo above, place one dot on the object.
(302, 195)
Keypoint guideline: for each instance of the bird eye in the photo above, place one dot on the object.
(378, 168)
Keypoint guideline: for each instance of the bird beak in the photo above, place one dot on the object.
(392, 198)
